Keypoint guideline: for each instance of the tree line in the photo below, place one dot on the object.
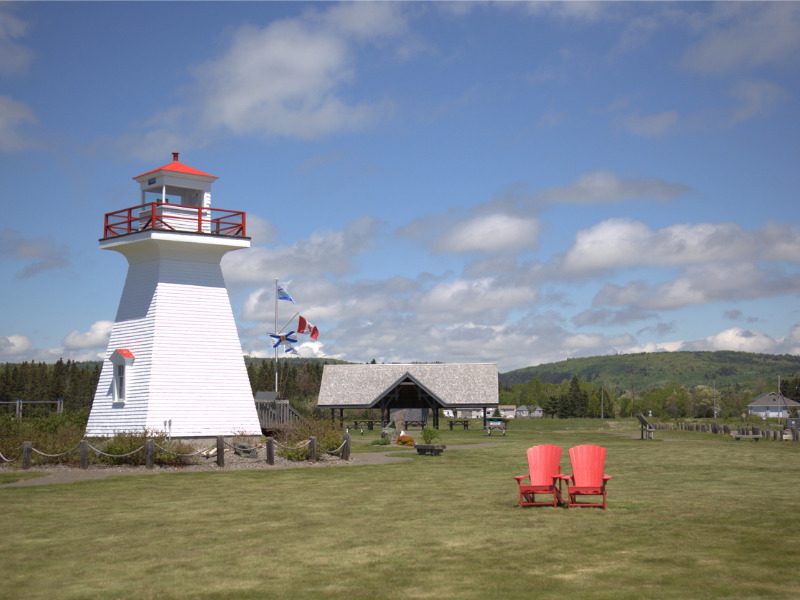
(76, 382)
(579, 398)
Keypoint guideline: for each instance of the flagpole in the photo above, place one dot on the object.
(276, 331)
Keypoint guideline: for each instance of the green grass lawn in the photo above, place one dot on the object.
(691, 515)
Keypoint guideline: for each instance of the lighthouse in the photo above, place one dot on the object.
(174, 361)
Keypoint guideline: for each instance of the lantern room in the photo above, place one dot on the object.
(177, 198)
(176, 183)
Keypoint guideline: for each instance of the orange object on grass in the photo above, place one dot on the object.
(544, 477)
(588, 475)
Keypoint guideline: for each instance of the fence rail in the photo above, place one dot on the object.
(19, 404)
(277, 415)
(27, 450)
(160, 216)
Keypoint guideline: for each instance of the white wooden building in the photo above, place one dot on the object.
(174, 361)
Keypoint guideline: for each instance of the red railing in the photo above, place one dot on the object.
(175, 217)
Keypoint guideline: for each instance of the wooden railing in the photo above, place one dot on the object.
(276, 414)
(175, 217)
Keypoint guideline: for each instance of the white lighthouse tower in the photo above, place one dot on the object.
(174, 361)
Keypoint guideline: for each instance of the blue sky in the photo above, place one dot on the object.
(506, 182)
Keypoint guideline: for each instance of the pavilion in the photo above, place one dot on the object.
(431, 386)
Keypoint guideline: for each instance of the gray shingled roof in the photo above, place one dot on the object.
(454, 385)
(773, 400)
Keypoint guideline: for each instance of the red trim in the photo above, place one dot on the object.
(177, 167)
(149, 216)
(124, 352)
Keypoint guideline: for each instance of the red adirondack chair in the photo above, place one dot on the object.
(588, 476)
(544, 477)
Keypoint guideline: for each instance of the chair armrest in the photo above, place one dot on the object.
(521, 478)
(564, 477)
(606, 477)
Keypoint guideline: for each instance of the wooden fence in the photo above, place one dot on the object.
(276, 415)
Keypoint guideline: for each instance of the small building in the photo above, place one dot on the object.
(772, 406)
(537, 412)
(507, 411)
(523, 411)
(425, 387)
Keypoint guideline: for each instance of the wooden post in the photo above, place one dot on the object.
(312, 449)
(27, 448)
(149, 453)
(270, 450)
(220, 451)
(346, 447)
(84, 450)
(19, 408)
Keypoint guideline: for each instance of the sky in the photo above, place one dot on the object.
(515, 183)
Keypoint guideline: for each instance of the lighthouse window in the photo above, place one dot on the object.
(119, 383)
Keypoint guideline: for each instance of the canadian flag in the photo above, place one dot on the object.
(305, 326)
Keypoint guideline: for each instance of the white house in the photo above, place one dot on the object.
(772, 406)
(174, 361)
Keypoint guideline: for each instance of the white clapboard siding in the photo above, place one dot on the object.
(175, 317)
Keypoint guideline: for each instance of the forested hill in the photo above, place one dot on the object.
(652, 370)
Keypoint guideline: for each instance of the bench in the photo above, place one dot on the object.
(646, 428)
(746, 436)
(430, 449)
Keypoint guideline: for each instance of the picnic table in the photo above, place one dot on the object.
(462, 422)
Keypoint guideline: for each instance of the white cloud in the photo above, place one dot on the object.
(15, 58)
(463, 297)
(14, 347)
(747, 35)
(604, 186)
(650, 125)
(617, 243)
(490, 233)
(324, 252)
(288, 79)
(96, 338)
(742, 340)
(14, 116)
(701, 284)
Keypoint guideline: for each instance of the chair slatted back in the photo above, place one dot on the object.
(588, 465)
(544, 462)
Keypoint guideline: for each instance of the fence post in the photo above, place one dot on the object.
(149, 452)
(27, 448)
(84, 450)
(312, 449)
(19, 408)
(270, 450)
(220, 451)
(346, 448)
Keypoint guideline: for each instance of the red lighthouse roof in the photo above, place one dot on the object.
(177, 166)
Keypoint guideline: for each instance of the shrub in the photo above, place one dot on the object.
(50, 433)
(329, 438)
(429, 434)
(126, 448)
(381, 441)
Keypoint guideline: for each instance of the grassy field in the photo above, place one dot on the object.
(690, 515)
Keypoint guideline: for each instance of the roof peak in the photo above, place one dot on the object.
(176, 166)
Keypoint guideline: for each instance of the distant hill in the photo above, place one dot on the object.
(652, 370)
